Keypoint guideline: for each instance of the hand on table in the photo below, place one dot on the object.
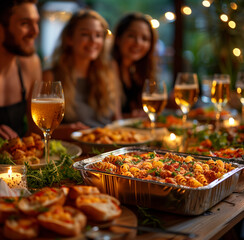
(7, 133)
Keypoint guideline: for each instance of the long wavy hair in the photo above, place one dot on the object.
(146, 66)
(100, 77)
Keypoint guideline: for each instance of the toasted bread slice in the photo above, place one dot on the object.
(78, 190)
(34, 204)
(66, 220)
(21, 227)
(8, 207)
(99, 207)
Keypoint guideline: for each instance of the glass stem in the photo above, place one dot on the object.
(153, 123)
(217, 127)
(184, 119)
(242, 114)
(47, 137)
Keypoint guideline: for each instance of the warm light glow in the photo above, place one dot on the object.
(169, 16)
(237, 52)
(155, 23)
(10, 171)
(233, 5)
(224, 17)
(109, 32)
(231, 121)
(186, 10)
(172, 136)
(232, 24)
(206, 3)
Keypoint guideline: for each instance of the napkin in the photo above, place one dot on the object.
(6, 191)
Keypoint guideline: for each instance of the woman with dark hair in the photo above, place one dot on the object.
(134, 53)
(82, 65)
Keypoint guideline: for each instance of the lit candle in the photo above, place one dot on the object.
(172, 142)
(231, 122)
(14, 179)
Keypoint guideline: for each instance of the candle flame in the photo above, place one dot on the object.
(10, 171)
(172, 136)
(231, 121)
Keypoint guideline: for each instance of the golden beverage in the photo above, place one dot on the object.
(47, 113)
(240, 92)
(220, 92)
(154, 103)
(186, 96)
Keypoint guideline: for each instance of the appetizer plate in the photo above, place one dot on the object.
(72, 149)
(144, 123)
(95, 148)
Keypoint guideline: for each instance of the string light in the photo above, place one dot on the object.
(233, 6)
(155, 23)
(237, 52)
(186, 10)
(206, 3)
(109, 32)
(232, 24)
(169, 16)
(224, 17)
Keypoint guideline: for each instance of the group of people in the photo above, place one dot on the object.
(101, 82)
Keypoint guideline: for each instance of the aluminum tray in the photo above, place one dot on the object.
(162, 196)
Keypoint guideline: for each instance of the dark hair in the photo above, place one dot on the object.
(6, 7)
(145, 67)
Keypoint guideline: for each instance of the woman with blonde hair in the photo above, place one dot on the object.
(82, 65)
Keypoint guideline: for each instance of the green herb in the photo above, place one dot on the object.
(5, 158)
(2, 141)
(56, 148)
(148, 219)
(53, 173)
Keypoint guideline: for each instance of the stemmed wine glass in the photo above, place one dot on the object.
(220, 94)
(240, 91)
(186, 91)
(47, 109)
(154, 99)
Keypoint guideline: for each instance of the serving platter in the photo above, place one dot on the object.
(93, 147)
(71, 149)
(159, 195)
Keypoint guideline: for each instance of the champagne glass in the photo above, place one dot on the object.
(240, 91)
(220, 94)
(47, 109)
(186, 92)
(154, 99)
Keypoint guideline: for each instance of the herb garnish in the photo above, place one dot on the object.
(53, 173)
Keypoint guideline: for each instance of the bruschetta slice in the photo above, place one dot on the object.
(37, 202)
(66, 220)
(21, 227)
(99, 207)
(8, 207)
(76, 191)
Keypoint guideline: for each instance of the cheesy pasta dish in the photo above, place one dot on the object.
(168, 168)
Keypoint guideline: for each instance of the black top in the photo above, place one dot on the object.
(15, 115)
(132, 97)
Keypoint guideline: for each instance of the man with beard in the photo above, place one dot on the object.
(19, 64)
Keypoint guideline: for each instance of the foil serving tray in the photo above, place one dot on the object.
(161, 196)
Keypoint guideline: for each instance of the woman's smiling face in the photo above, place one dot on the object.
(88, 38)
(135, 42)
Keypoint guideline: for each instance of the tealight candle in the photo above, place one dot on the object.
(231, 122)
(14, 176)
(172, 142)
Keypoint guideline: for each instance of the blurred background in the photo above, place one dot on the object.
(201, 36)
